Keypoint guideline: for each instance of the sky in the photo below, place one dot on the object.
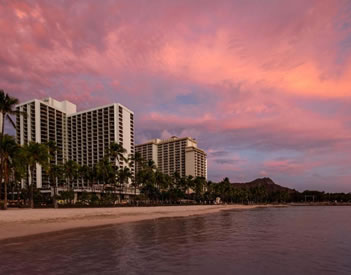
(263, 86)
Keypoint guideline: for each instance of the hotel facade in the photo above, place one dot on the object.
(175, 155)
(83, 136)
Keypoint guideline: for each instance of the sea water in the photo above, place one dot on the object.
(291, 240)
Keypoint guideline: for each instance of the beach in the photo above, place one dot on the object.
(24, 222)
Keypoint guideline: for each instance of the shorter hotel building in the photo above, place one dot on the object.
(175, 155)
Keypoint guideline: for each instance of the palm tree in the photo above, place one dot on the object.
(93, 175)
(85, 173)
(19, 172)
(106, 173)
(176, 179)
(137, 160)
(52, 169)
(7, 105)
(162, 182)
(189, 184)
(8, 150)
(151, 165)
(34, 153)
(52, 149)
(147, 176)
(55, 175)
(199, 186)
(71, 172)
(124, 174)
(117, 152)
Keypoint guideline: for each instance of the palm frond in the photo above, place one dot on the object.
(11, 121)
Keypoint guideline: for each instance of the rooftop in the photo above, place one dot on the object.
(171, 139)
(68, 107)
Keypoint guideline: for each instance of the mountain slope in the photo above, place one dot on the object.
(268, 183)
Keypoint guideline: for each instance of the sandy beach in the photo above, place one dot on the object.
(24, 222)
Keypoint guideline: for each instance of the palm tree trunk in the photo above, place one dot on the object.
(5, 196)
(0, 185)
(28, 185)
(18, 194)
(32, 189)
(1, 177)
(54, 199)
(5, 186)
(2, 136)
(13, 191)
(3, 125)
(53, 183)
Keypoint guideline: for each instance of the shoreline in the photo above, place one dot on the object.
(19, 223)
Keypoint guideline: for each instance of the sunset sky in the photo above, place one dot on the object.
(264, 86)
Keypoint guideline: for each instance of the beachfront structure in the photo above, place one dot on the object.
(91, 132)
(46, 120)
(80, 136)
(175, 155)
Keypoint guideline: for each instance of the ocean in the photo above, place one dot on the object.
(289, 240)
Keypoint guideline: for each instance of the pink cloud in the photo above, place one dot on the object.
(260, 75)
(285, 166)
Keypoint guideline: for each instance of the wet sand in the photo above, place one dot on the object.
(24, 222)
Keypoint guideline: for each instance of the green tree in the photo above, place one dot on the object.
(117, 153)
(85, 173)
(124, 174)
(148, 178)
(7, 105)
(189, 184)
(8, 149)
(106, 173)
(70, 172)
(176, 180)
(33, 154)
(163, 183)
(19, 173)
(7, 108)
(54, 171)
(150, 165)
(199, 188)
(137, 161)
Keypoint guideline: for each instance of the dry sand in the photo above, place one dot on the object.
(24, 222)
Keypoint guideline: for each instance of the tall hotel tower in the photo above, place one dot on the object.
(80, 136)
(175, 155)
(91, 132)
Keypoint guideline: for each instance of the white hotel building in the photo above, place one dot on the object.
(80, 136)
(175, 155)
